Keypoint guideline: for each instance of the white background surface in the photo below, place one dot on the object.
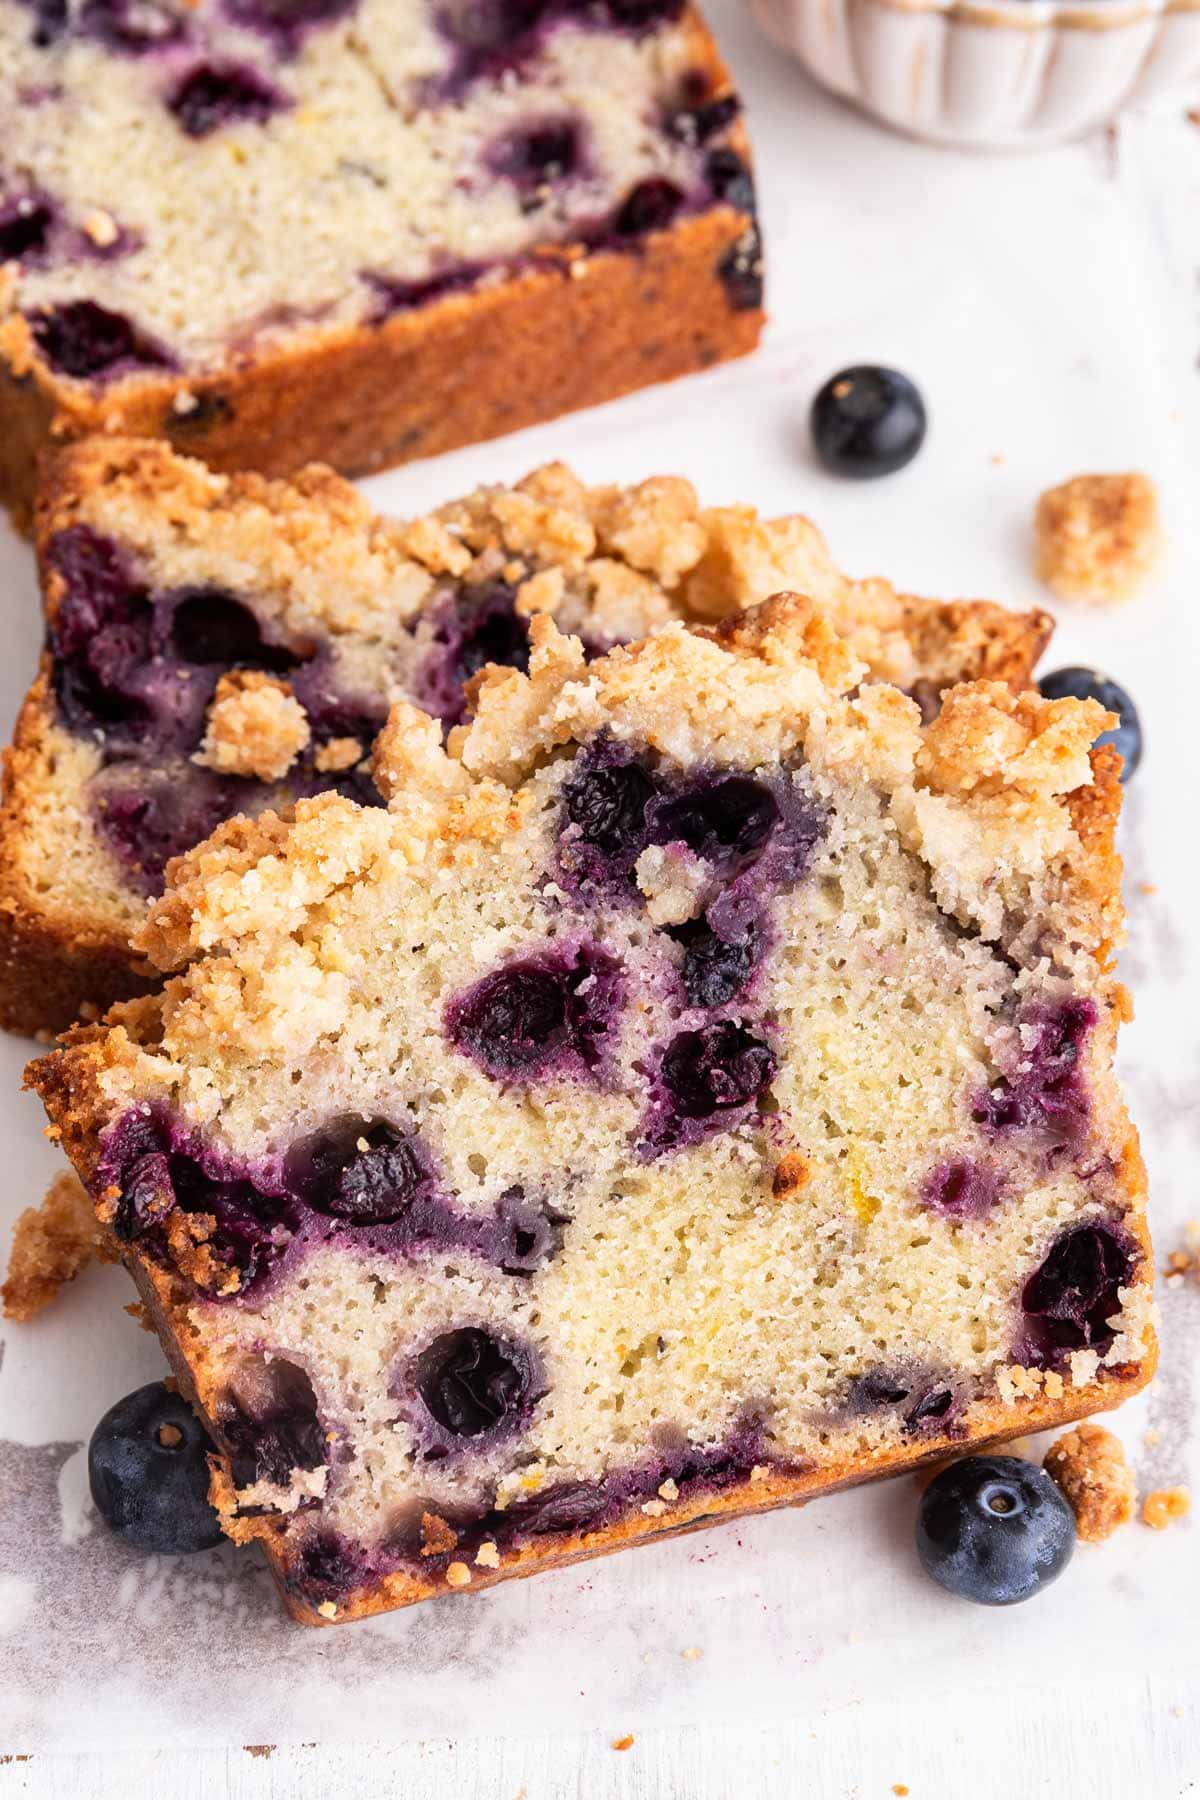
(1048, 307)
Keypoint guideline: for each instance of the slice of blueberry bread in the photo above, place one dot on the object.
(224, 645)
(358, 230)
(692, 1093)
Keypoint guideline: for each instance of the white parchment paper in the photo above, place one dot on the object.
(1030, 299)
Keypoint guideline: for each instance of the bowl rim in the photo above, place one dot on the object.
(1038, 15)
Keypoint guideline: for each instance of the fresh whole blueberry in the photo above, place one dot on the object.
(994, 1529)
(868, 421)
(473, 1383)
(85, 340)
(366, 1174)
(650, 206)
(148, 1471)
(722, 1066)
(218, 94)
(1088, 684)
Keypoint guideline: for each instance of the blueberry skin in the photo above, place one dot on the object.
(867, 421)
(1089, 684)
(154, 1494)
(994, 1529)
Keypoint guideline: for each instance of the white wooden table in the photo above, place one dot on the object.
(1131, 1737)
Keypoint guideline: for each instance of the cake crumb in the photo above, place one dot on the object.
(1088, 1464)
(653, 1508)
(623, 1743)
(458, 1575)
(327, 1609)
(52, 1244)
(256, 726)
(668, 1490)
(101, 228)
(487, 1557)
(437, 1537)
(337, 754)
(265, 1750)
(1098, 536)
(1164, 1506)
(693, 1653)
(899, 1789)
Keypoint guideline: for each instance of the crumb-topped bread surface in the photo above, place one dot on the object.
(692, 1092)
(361, 230)
(225, 644)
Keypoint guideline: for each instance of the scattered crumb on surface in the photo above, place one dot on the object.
(141, 1314)
(899, 1789)
(1164, 1506)
(693, 1653)
(1152, 1438)
(623, 1743)
(1097, 537)
(52, 1243)
(1147, 887)
(263, 1750)
(1088, 1464)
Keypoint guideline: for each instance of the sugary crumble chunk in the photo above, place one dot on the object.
(52, 1243)
(458, 1575)
(1164, 1506)
(256, 727)
(1098, 536)
(1089, 1465)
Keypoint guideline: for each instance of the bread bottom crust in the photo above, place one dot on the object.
(571, 332)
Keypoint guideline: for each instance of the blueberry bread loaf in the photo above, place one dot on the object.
(692, 1093)
(222, 645)
(358, 230)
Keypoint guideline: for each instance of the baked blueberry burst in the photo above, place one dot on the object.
(690, 1086)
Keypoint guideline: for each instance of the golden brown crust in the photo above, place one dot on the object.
(578, 331)
(56, 958)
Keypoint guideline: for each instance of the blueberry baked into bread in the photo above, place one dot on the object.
(693, 1092)
(358, 230)
(221, 645)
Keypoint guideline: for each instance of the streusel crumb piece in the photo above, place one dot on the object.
(1089, 1465)
(1098, 536)
(52, 1243)
(1164, 1506)
(255, 727)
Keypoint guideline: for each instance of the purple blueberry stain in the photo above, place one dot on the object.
(277, 1432)
(88, 342)
(536, 156)
(26, 221)
(698, 120)
(706, 1081)
(1043, 1090)
(51, 19)
(961, 1189)
(925, 1402)
(717, 965)
(131, 27)
(215, 95)
(146, 817)
(471, 628)
(537, 1016)
(287, 22)
(365, 1173)
(1070, 1298)
(327, 1568)
(649, 206)
(490, 36)
(471, 1389)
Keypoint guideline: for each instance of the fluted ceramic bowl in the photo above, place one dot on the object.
(991, 74)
